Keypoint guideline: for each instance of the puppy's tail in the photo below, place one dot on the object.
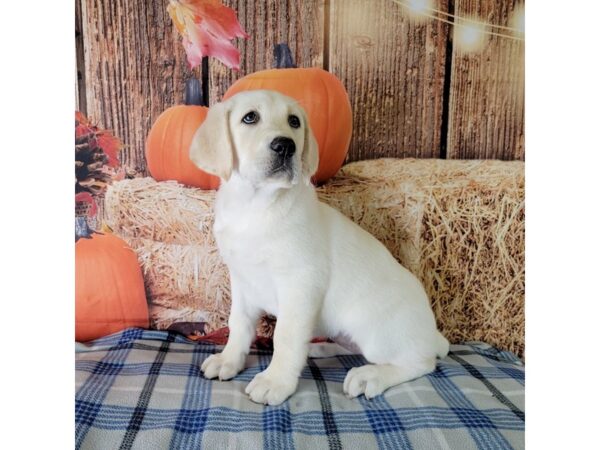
(443, 346)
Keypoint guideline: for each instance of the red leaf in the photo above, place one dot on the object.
(86, 197)
(203, 45)
(110, 145)
(220, 21)
(207, 28)
(80, 118)
(82, 125)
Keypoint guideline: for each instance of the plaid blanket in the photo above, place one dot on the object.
(143, 389)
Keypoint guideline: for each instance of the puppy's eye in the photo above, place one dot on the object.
(294, 121)
(251, 117)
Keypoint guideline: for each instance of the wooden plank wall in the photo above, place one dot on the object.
(80, 103)
(413, 93)
(135, 68)
(393, 69)
(486, 108)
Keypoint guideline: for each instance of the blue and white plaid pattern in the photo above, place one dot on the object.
(143, 389)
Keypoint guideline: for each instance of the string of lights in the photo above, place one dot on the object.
(469, 32)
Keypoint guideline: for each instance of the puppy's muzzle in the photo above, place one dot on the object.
(284, 147)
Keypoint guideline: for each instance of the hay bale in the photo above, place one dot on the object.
(458, 225)
(165, 211)
(186, 283)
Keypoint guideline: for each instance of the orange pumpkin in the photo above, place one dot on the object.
(109, 287)
(324, 99)
(168, 143)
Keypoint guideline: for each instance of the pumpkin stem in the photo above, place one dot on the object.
(193, 92)
(82, 229)
(283, 57)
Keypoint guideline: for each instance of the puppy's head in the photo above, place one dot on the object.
(262, 135)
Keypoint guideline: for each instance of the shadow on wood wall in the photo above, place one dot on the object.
(412, 92)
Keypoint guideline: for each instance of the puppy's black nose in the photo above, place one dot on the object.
(283, 146)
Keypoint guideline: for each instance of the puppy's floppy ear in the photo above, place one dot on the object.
(310, 152)
(212, 146)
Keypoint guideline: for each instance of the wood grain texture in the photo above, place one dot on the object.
(135, 68)
(80, 103)
(299, 24)
(393, 69)
(132, 66)
(486, 105)
(79, 59)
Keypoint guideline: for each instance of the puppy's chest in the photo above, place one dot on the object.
(239, 244)
(247, 262)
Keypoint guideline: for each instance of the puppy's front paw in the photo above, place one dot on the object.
(218, 365)
(271, 389)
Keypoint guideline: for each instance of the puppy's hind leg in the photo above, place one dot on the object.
(372, 379)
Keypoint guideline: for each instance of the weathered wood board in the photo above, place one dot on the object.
(413, 93)
(135, 68)
(487, 89)
(393, 69)
(80, 104)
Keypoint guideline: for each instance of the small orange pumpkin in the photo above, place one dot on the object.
(324, 99)
(109, 287)
(168, 143)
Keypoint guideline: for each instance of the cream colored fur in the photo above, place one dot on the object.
(296, 258)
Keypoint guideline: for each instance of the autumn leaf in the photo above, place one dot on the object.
(86, 197)
(110, 145)
(97, 137)
(80, 119)
(207, 28)
(82, 125)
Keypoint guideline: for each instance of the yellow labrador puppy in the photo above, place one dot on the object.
(297, 258)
